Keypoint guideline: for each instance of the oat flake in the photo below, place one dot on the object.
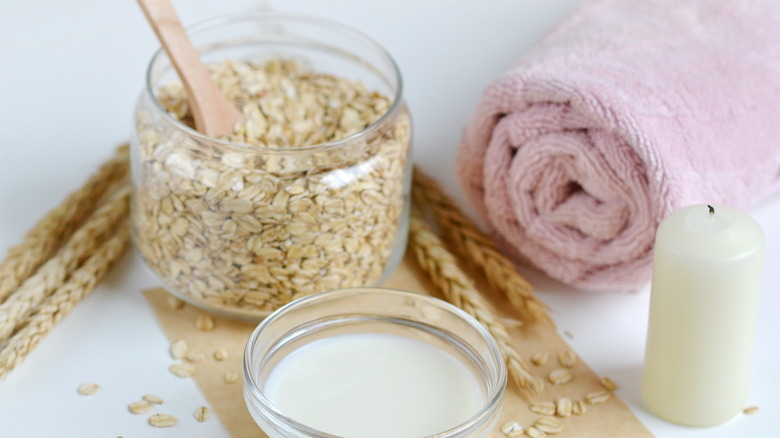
(89, 389)
(139, 407)
(163, 420)
(182, 369)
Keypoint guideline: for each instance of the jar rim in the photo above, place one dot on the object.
(210, 23)
(496, 388)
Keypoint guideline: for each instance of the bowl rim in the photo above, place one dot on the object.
(493, 399)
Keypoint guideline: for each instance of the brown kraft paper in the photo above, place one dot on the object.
(611, 418)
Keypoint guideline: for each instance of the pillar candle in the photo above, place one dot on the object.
(707, 271)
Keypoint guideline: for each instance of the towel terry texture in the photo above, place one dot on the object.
(626, 111)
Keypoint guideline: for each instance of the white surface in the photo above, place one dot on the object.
(71, 71)
(361, 384)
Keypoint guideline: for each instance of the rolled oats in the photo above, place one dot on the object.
(163, 420)
(543, 408)
(563, 407)
(609, 384)
(88, 389)
(750, 410)
(220, 354)
(139, 407)
(153, 399)
(248, 229)
(195, 356)
(179, 349)
(540, 358)
(231, 376)
(559, 376)
(202, 413)
(512, 429)
(533, 432)
(173, 302)
(549, 425)
(567, 358)
(579, 407)
(598, 397)
(204, 323)
(182, 369)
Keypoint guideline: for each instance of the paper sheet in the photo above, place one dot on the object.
(612, 418)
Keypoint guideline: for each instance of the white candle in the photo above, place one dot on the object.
(707, 272)
(373, 385)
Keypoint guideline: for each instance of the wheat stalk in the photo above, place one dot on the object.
(57, 269)
(478, 249)
(64, 298)
(41, 241)
(459, 289)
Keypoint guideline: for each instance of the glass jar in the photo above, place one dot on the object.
(243, 229)
(321, 320)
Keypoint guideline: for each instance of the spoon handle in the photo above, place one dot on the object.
(213, 113)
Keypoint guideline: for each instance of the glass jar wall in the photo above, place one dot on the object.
(310, 194)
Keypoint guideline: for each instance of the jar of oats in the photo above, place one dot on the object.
(310, 193)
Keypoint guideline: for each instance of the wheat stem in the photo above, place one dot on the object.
(57, 269)
(64, 298)
(459, 289)
(43, 240)
(478, 249)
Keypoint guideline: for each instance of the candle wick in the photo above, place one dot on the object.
(712, 209)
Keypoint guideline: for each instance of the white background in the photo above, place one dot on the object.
(69, 75)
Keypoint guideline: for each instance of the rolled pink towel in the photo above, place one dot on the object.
(625, 112)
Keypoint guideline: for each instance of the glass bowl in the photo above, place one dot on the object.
(373, 363)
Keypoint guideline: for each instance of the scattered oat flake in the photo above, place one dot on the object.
(139, 407)
(220, 354)
(162, 420)
(559, 376)
(179, 349)
(549, 425)
(567, 358)
(174, 303)
(579, 407)
(533, 432)
(231, 377)
(204, 323)
(609, 384)
(153, 399)
(196, 356)
(597, 397)
(88, 389)
(544, 408)
(512, 428)
(540, 358)
(202, 413)
(750, 410)
(563, 407)
(182, 369)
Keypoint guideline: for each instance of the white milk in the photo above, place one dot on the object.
(372, 385)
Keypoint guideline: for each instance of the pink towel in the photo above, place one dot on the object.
(624, 113)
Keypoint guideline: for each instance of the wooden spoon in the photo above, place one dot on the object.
(214, 114)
